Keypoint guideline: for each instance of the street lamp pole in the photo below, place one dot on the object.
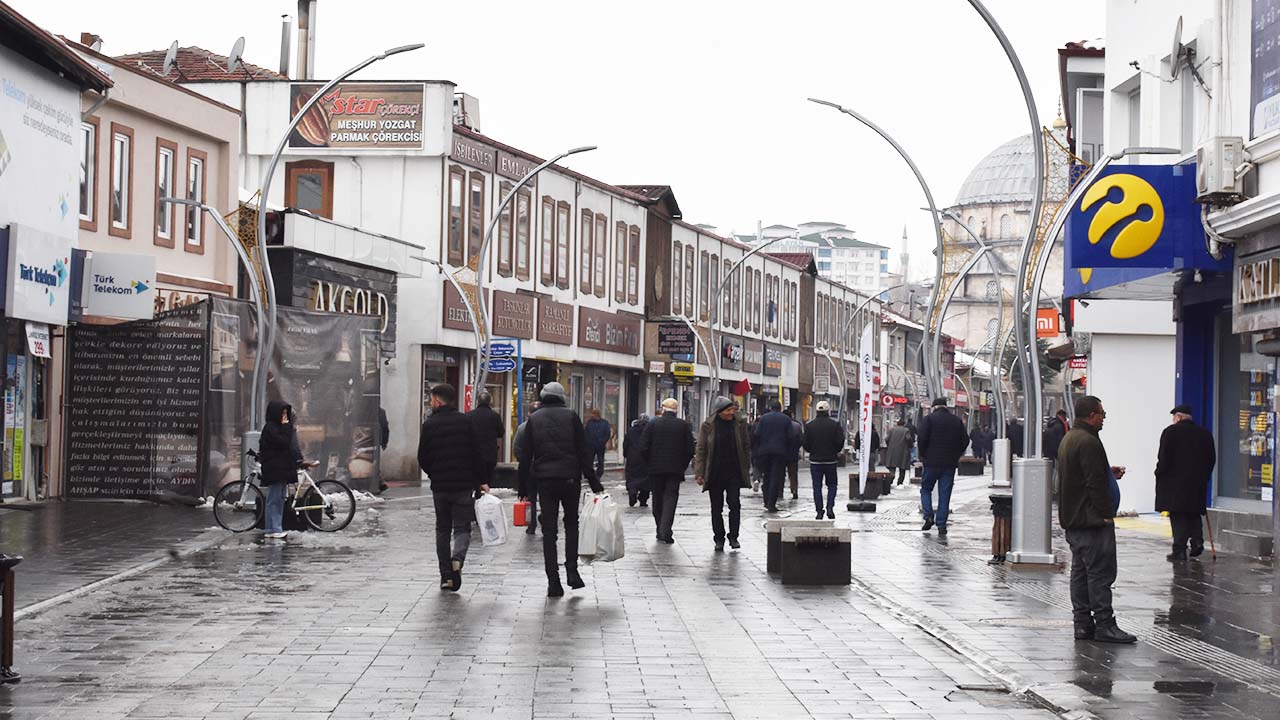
(933, 372)
(482, 372)
(266, 333)
(995, 370)
(844, 336)
(715, 307)
(475, 322)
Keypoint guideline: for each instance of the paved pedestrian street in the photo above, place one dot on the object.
(354, 625)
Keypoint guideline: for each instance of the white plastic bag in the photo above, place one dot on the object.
(600, 530)
(492, 520)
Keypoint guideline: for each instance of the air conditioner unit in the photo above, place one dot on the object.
(1216, 163)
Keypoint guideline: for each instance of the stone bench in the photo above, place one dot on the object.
(816, 556)
(970, 465)
(773, 545)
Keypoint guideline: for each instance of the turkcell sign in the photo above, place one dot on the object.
(1135, 216)
(501, 350)
(500, 364)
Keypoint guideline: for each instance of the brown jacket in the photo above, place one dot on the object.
(705, 453)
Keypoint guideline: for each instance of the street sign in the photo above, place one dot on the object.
(501, 350)
(499, 364)
(675, 338)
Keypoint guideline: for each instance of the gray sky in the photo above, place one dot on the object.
(708, 97)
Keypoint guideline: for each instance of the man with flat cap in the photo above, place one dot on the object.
(1183, 467)
(942, 440)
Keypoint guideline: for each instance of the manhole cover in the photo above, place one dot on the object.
(1026, 622)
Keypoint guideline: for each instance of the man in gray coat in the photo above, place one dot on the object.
(898, 454)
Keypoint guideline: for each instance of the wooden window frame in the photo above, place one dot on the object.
(690, 270)
(455, 236)
(633, 264)
(197, 247)
(310, 167)
(92, 176)
(586, 254)
(506, 232)
(601, 244)
(736, 295)
(159, 240)
(564, 241)
(524, 234)
(620, 242)
(726, 297)
(547, 242)
(677, 275)
(704, 280)
(125, 232)
(749, 287)
(475, 218)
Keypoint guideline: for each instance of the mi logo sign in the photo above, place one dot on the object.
(1130, 214)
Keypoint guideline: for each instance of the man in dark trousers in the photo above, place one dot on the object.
(1086, 511)
(667, 448)
(1054, 430)
(774, 439)
(722, 466)
(637, 474)
(898, 454)
(1016, 435)
(598, 434)
(824, 439)
(489, 429)
(793, 464)
(555, 455)
(942, 440)
(1186, 460)
(449, 452)
(516, 443)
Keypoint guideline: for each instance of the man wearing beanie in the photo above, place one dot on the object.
(555, 455)
(667, 448)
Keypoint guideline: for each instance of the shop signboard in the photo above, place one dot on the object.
(682, 369)
(38, 339)
(468, 151)
(120, 286)
(500, 364)
(1264, 86)
(615, 332)
(657, 367)
(512, 315)
(772, 361)
(730, 353)
(359, 116)
(555, 322)
(501, 350)
(38, 286)
(1078, 362)
(1046, 323)
(675, 338)
(752, 356)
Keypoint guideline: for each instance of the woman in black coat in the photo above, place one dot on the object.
(280, 457)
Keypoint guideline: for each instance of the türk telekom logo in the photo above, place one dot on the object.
(50, 279)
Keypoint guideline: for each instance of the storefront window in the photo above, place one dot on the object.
(1246, 423)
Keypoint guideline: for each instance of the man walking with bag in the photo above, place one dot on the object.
(1087, 512)
(449, 453)
(824, 439)
(942, 441)
(722, 466)
(554, 455)
(1186, 460)
(667, 447)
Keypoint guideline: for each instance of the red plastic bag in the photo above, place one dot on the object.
(520, 513)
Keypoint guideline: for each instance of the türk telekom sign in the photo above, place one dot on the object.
(39, 273)
(359, 115)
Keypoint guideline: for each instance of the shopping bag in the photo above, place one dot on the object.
(610, 538)
(520, 513)
(493, 524)
(587, 525)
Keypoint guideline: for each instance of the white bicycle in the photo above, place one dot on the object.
(327, 505)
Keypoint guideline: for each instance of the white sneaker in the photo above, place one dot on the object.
(275, 536)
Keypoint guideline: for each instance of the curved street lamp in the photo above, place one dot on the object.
(996, 379)
(266, 333)
(933, 370)
(715, 310)
(482, 372)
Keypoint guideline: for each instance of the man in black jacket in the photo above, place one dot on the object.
(667, 447)
(1186, 460)
(555, 455)
(449, 452)
(942, 440)
(1087, 511)
(489, 429)
(824, 439)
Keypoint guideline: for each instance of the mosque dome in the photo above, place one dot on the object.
(1005, 175)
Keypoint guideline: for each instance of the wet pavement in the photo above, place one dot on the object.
(353, 625)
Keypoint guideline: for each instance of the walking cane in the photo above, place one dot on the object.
(1213, 550)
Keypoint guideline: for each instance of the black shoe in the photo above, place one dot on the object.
(1177, 556)
(719, 546)
(831, 513)
(554, 588)
(531, 530)
(9, 675)
(771, 508)
(820, 515)
(631, 500)
(794, 496)
(1084, 632)
(457, 575)
(1197, 550)
(668, 540)
(446, 582)
(928, 525)
(573, 578)
(644, 503)
(1111, 633)
(733, 543)
(942, 531)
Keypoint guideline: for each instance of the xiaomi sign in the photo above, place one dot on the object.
(1047, 323)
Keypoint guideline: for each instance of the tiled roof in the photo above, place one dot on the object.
(657, 194)
(800, 260)
(194, 64)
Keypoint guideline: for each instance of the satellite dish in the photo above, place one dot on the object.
(1177, 53)
(234, 58)
(169, 59)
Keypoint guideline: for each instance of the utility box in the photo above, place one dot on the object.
(773, 545)
(816, 556)
(1216, 163)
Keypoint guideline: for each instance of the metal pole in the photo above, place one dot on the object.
(840, 378)
(951, 293)
(689, 324)
(481, 371)
(845, 334)
(475, 324)
(933, 372)
(266, 333)
(995, 370)
(715, 306)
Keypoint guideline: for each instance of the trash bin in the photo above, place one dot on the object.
(1001, 527)
(7, 673)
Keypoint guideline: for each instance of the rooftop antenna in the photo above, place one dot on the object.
(234, 58)
(170, 58)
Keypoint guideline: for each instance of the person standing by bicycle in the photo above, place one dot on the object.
(449, 452)
(280, 457)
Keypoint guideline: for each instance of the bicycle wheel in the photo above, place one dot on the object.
(329, 506)
(238, 506)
